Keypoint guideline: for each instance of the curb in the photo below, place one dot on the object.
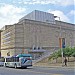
(56, 67)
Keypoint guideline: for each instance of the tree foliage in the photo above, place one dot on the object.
(67, 52)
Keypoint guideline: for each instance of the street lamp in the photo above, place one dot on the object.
(60, 40)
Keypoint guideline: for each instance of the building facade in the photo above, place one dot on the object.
(33, 36)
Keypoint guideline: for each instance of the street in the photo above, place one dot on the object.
(37, 71)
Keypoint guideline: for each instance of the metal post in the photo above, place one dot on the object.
(62, 55)
(61, 42)
(61, 39)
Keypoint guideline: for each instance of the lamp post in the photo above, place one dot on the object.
(60, 40)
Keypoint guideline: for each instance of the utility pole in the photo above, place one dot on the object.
(60, 39)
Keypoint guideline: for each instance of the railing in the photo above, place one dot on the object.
(44, 55)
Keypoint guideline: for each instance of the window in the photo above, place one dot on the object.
(12, 59)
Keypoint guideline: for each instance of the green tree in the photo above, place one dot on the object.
(67, 52)
(55, 55)
(73, 52)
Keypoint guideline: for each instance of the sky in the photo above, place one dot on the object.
(13, 10)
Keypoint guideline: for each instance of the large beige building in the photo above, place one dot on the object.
(32, 36)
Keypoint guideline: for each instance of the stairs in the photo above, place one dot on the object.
(45, 55)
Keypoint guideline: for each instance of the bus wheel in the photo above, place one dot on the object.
(15, 66)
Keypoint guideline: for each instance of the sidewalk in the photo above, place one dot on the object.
(56, 65)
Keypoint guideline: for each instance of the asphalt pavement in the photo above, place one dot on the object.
(36, 70)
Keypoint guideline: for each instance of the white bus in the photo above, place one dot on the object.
(21, 60)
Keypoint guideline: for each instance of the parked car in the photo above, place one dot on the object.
(2, 59)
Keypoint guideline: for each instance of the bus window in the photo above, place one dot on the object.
(2, 59)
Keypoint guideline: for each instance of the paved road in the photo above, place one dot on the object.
(37, 71)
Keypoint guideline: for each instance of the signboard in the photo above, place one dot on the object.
(62, 42)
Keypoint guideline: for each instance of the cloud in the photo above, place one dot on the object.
(66, 2)
(60, 15)
(72, 12)
(10, 14)
(57, 2)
